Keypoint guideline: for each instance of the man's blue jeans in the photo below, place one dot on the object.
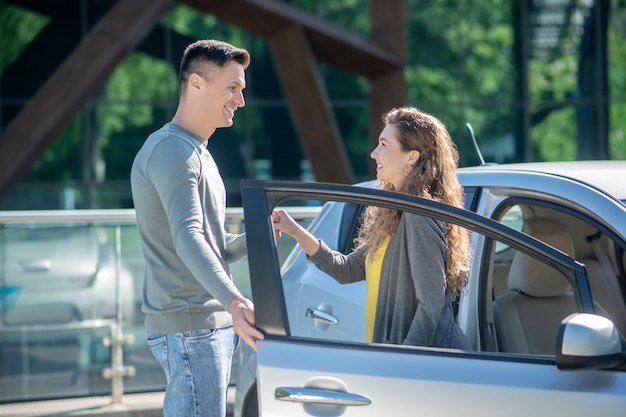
(197, 368)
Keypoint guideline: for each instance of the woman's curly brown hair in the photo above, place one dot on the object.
(432, 177)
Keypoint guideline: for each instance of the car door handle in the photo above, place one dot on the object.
(319, 396)
(321, 316)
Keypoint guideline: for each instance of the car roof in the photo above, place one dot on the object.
(608, 176)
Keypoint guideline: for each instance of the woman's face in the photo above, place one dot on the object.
(391, 160)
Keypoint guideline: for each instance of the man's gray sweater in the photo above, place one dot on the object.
(180, 204)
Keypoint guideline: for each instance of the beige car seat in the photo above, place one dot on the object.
(527, 320)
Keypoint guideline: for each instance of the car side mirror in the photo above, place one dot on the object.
(589, 341)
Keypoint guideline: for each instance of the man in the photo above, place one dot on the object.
(194, 312)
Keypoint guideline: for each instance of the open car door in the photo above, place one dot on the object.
(307, 375)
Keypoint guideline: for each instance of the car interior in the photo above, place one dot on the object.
(529, 299)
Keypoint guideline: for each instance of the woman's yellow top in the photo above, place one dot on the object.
(373, 265)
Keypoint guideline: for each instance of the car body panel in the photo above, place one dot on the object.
(602, 175)
(550, 188)
(422, 383)
(331, 297)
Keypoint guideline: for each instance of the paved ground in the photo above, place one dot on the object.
(133, 405)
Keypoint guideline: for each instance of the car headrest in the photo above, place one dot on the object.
(531, 276)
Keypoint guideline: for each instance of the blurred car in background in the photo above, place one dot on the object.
(58, 299)
(58, 274)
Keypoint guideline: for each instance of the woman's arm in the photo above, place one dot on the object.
(343, 268)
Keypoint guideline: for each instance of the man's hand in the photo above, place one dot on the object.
(244, 323)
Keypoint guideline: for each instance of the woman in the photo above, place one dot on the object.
(414, 266)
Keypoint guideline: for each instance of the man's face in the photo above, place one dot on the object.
(222, 94)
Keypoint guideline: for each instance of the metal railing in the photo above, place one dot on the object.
(116, 340)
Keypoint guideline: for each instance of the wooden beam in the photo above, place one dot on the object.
(309, 106)
(73, 83)
(335, 45)
(389, 89)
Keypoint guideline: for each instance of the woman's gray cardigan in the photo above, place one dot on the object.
(413, 306)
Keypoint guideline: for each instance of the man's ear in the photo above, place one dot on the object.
(195, 81)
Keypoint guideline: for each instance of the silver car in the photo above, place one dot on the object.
(544, 307)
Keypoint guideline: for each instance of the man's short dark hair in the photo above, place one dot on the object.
(209, 51)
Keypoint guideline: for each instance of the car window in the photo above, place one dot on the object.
(526, 300)
(512, 217)
(592, 244)
(471, 197)
(522, 317)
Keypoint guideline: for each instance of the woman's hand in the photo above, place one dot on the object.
(283, 222)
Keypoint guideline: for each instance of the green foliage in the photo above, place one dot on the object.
(555, 138)
(350, 14)
(18, 27)
(616, 50)
(61, 161)
(135, 86)
(617, 134)
(187, 21)
(460, 67)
